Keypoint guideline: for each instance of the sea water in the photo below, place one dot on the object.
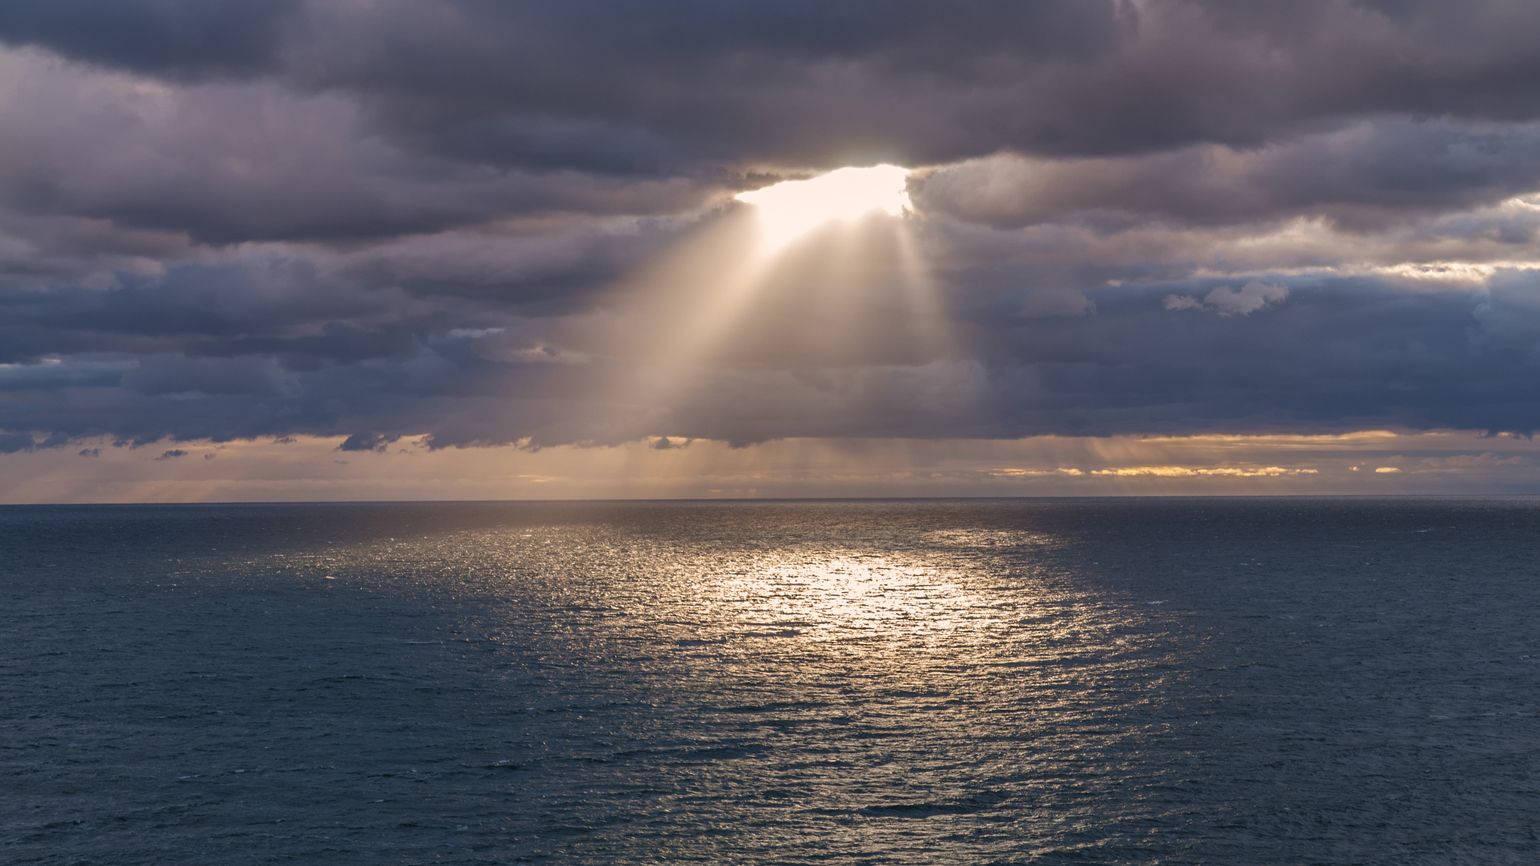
(1081, 681)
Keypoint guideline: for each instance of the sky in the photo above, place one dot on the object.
(487, 249)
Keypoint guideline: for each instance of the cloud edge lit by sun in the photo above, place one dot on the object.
(790, 209)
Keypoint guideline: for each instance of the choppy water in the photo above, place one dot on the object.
(1247, 682)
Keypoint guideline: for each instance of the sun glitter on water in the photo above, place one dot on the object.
(792, 208)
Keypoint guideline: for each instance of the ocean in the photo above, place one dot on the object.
(1218, 681)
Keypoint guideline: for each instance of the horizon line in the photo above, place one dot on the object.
(725, 500)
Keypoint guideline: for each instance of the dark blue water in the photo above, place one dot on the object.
(1247, 682)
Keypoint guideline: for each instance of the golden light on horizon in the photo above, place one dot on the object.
(792, 208)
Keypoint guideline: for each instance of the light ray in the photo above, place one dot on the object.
(826, 270)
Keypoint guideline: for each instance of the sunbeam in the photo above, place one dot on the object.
(827, 269)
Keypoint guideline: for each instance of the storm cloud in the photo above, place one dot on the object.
(458, 223)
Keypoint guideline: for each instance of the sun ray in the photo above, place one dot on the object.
(827, 267)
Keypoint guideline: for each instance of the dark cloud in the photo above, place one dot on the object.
(483, 222)
(53, 375)
(176, 38)
(11, 443)
(173, 454)
(643, 88)
(252, 161)
(173, 375)
(351, 122)
(1330, 356)
(367, 442)
(1365, 176)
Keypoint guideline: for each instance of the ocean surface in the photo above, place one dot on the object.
(1031, 681)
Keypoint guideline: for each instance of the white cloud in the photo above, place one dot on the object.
(1227, 301)
(1247, 299)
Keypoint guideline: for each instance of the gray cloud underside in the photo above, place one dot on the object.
(237, 219)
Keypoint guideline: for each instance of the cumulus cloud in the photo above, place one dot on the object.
(1229, 301)
(1181, 302)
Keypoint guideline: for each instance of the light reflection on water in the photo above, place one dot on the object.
(822, 698)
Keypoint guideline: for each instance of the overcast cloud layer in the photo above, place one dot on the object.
(376, 219)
